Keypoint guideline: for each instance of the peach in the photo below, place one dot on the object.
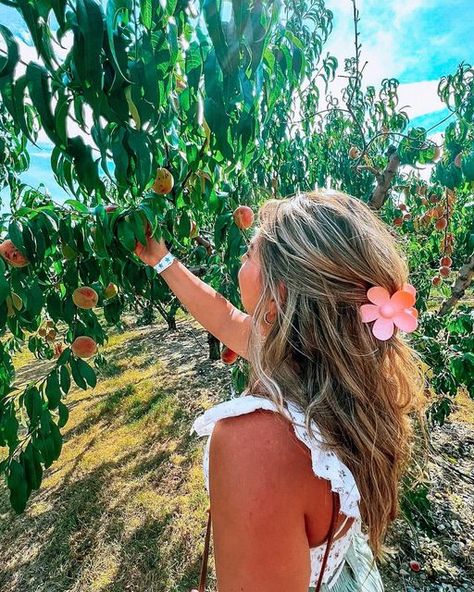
(84, 346)
(243, 217)
(407, 216)
(415, 565)
(444, 271)
(228, 356)
(110, 291)
(110, 208)
(85, 297)
(457, 160)
(12, 255)
(353, 152)
(397, 221)
(164, 181)
(446, 261)
(436, 281)
(441, 224)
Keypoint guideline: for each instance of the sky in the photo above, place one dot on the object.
(416, 42)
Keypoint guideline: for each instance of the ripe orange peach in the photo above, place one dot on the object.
(446, 261)
(110, 291)
(164, 181)
(407, 216)
(228, 356)
(85, 297)
(84, 346)
(444, 271)
(437, 280)
(12, 255)
(402, 207)
(243, 217)
(441, 224)
(397, 221)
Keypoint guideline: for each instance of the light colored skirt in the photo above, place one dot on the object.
(358, 574)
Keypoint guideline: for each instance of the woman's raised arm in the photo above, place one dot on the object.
(214, 312)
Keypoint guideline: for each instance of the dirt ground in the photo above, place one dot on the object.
(123, 508)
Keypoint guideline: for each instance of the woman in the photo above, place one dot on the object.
(326, 408)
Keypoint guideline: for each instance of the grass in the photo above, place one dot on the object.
(123, 508)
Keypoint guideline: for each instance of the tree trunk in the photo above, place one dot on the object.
(384, 180)
(214, 347)
(463, 281)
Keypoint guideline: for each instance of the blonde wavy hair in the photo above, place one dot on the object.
(328, 248)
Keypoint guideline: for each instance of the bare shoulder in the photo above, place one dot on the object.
(261, 446)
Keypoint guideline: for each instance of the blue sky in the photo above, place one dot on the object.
(416, 42)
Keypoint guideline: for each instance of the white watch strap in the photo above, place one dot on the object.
(165, 262)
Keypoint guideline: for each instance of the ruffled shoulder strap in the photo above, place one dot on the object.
(205, 423)
(324, 462)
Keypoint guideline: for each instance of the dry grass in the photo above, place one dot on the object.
(123, 508)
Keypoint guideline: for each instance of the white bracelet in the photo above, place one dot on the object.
(165, 262)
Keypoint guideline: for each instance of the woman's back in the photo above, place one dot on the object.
(312, 459)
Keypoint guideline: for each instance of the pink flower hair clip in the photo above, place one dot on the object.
(390, 311)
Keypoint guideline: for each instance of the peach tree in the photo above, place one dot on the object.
(175, 96)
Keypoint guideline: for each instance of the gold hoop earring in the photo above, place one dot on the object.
(266, 320)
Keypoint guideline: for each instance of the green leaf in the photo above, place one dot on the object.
(53, 391)
(17, 484)
(4, 285)
(56, 439)
(63, 415)
(31, 461)
(7, 66)
(76, 374)
(64, 379)
(78, 206)
(126, 234)
(16, 236)
(33, 404)
(38, 84)
(87, 372)
(90, 19)
(146, 13)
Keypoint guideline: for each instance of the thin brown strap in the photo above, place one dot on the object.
(335, 512)
(202, 579)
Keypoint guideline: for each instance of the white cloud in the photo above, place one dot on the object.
(421, 96)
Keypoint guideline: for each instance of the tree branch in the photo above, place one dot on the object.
(463, 281)
(379, 197)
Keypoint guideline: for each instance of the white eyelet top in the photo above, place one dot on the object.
(325, 464)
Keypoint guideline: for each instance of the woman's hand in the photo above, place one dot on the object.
(154, 250)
